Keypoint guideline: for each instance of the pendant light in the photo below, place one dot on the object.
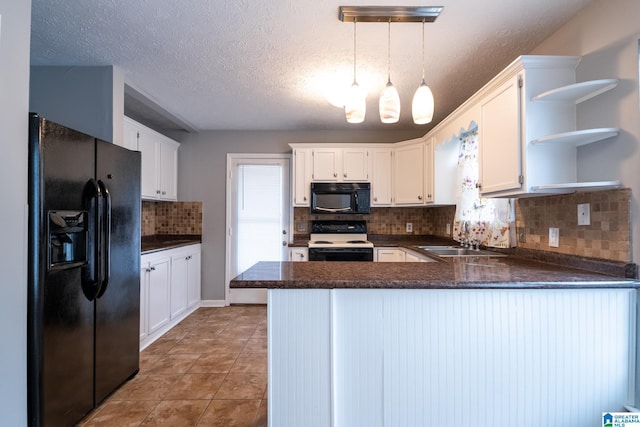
(355, 106)
(389, 98)
(423, 104)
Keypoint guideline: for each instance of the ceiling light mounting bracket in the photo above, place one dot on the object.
(389, 13)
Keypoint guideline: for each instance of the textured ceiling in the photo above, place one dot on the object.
(271, 64)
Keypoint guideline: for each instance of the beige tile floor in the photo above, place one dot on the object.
(208, 371)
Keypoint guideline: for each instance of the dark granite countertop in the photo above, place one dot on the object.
(159, 242)
(469, 273)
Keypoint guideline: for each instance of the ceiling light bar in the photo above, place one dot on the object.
(389, 13)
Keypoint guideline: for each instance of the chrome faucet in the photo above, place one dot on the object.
(465, 242)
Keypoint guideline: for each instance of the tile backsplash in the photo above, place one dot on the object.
(428, 221)
(608, 236)
(171, 218)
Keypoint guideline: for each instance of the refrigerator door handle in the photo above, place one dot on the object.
(105, 229)
(91, 272)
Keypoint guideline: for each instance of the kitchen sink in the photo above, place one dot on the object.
(455, 251)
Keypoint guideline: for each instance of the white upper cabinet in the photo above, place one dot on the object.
(355, 164)
(332, 164)
(500, 133)
(429, 171)
(408, 173)
(159, 161)
(527, 127)
(301, 176)
(417, 172)
(326, 164)
(381, 177)
(168, 173)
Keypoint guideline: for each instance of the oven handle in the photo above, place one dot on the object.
(332, 210)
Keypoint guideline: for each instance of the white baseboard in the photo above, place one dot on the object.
(248, 296)
(213, 303)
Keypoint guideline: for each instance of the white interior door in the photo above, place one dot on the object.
(258, 217)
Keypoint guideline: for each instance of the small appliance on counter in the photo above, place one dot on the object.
(84, 272)
(339, 241)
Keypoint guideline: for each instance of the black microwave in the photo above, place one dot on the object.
(340, 198)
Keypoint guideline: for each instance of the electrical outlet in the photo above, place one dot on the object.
(584, 214)
(554, 237)
(409, 227)
(301, 227)
(448, 229)
(522, 235)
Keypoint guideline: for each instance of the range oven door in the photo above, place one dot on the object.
(340, 254)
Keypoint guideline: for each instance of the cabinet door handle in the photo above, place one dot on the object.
(304, 198)
(152, 269)
(157, 191)
(419, 197)
(345, 174)
(478, 185)
(375, 199)
(164, 192)
(335, 174)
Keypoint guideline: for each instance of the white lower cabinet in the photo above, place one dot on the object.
(388, 255)
(169, 290)
(399, 255)
(179, 273)
(158, 279)
(194, 277)
(298, 254)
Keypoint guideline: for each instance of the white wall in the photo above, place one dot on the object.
(87, 99)
(14, 106)
(606, 35)
(202, 176)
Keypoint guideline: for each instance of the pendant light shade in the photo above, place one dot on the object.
(355, 107)
(389, 99)
(422, 106)
(423, 103)
(389, 104)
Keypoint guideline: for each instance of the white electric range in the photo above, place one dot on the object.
(344, 240)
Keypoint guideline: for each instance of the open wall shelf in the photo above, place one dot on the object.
(578, 92)
(578, 186)
(578, 137)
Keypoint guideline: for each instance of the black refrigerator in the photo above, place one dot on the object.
(84, 271)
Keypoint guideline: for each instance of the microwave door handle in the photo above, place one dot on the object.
(332, 210)
(355, 197)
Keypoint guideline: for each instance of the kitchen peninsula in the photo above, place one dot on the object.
(464, 342)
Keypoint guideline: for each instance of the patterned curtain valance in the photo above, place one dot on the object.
(486, 221)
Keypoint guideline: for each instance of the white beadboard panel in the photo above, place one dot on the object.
(358, 364)
(536, 358)
(299, 330)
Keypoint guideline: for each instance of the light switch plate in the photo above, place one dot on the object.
(584, 214)
(554, 237)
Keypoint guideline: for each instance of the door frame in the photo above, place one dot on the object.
(250, 296)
